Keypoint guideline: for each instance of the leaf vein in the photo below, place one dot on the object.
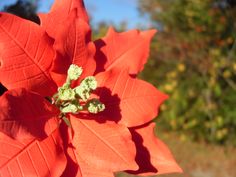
(104, 141)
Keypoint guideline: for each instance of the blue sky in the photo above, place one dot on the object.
(110, 11)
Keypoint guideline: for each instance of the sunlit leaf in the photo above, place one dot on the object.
(153, 156)
(26, 55)
(128, 49)
(129, 101)
(105, 146)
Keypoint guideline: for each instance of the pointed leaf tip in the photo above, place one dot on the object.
(123, 49)
(59, 13)
(153, 156)
(129, 101)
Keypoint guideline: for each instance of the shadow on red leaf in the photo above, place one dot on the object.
(142, 156)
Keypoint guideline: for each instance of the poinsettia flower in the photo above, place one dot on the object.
(37, 137)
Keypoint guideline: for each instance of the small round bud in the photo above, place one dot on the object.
(71, 108)
(90, 82)
(66, 94)
(74, 72)
(83, 92)
(95, 106)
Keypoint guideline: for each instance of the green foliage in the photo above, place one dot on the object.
(101, 29)
(193, 59)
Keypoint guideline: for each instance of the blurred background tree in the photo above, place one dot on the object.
(24, 8)
(193, 59)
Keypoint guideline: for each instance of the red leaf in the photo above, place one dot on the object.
(26, 55)
(31, 157)
(106, 146)
(153, 156)
(73, 41)
(59, 13)
(90, 171)
(130, 101)
(123, 49)
(76, 167)
(26, 115)
(72, 166)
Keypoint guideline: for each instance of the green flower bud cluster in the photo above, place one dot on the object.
(94, 106)
(65, 93)
(74, 72)
(74, 100)
(86, 87)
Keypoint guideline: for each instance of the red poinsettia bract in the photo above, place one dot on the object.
(34, 60)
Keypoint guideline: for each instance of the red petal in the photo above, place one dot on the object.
(73, 41)
(90, 171)
(76, 167)
(31, 157)
(153, 156)
(26, 55)
(129, 101)
(123, 49)
(105, 146)
(26, 115)
(59, 13)
(72, 166)
(75, 164)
